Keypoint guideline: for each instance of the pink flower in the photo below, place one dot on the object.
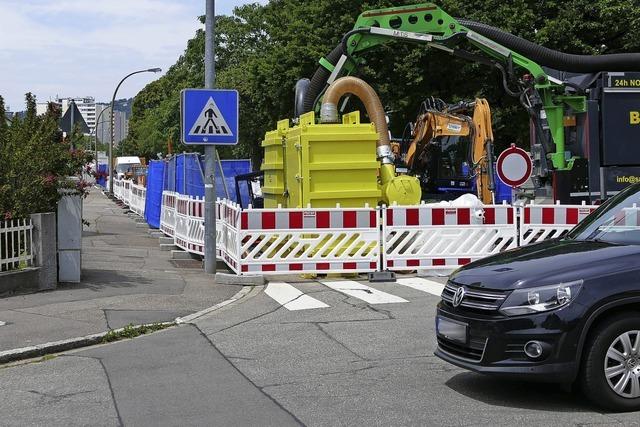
(8, 216)
(49, 179)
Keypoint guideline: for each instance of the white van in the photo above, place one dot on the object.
(125, 165)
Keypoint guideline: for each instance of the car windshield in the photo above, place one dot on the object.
(124, 167)
(616, 221)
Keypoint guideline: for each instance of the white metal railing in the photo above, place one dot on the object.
(16, 244)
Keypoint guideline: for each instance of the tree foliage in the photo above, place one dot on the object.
(263, 50)
(35, 162)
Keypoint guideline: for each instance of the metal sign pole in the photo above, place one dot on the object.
(209, 150)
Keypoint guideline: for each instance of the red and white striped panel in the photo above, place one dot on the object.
(627, 217)
(433, 216)
(428, 263)
(345, 267)
(309, 219)
(182, 206)
(196, 208)
(555, 214)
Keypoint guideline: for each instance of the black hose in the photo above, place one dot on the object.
(553, 58)
(319, 79)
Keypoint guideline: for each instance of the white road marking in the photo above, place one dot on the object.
(363, 292)
(291, 298)
(423, 285)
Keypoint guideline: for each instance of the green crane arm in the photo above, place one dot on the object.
(428, 24)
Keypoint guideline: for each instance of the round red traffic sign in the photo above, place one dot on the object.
(514, 166)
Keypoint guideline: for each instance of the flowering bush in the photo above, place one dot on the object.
(36, 164)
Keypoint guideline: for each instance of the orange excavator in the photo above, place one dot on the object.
(451, 148)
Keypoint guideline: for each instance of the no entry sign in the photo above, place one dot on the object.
(514, 166)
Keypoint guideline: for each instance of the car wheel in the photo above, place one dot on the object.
(610, 374)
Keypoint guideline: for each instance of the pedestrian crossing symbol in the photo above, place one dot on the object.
(209, 116)
(210, 121)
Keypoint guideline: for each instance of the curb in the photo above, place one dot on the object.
(40, 350)
(191, 317)
(59, 346)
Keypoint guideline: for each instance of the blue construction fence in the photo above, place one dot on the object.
(184, 174)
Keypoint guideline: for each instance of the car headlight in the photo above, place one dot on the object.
(544, 298)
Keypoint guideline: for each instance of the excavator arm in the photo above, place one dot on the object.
(429, 25)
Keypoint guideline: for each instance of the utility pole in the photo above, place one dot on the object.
(209, 150)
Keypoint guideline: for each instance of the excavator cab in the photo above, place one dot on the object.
(451, 149)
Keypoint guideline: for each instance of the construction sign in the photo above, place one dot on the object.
(209, 116)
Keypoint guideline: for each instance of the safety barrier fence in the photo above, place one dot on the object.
(441, 238)
(360, 240)
(542, 222)
(137, 198)
(341, 240)
(16, 244)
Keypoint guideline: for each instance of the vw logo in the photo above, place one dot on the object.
(458, 296)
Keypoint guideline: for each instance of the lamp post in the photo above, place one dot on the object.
(95, 131)
(113, 100)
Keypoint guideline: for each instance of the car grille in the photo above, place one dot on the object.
(475, 299)
(473, 351)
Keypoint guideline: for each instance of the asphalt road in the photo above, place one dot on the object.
(267, 361)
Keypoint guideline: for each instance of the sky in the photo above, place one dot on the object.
(77, 48)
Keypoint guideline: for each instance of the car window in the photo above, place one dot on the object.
(617, 221)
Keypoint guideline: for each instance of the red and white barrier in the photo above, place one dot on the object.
(280, 241)
(137, 199)
(432, 237)
(168, 213)
(543, 222)
(352, 240)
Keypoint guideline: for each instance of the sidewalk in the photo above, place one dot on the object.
(125, 279)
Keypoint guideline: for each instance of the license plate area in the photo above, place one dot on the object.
(452, 330)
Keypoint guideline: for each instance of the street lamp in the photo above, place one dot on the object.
(95, 131)
(113, 100)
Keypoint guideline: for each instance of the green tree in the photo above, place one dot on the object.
(35, 162)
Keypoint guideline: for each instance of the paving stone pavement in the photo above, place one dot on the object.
(126, 278)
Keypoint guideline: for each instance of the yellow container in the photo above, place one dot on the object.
(273, 166)
(327, 164)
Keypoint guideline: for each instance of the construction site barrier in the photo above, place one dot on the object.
(338, 240)
(137, 199)
(443, 238)
(360, 240)
(189, 224)
(168, 213)
(543, 222)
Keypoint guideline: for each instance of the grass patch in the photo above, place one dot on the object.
(131, 331)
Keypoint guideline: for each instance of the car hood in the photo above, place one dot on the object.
(547, 263)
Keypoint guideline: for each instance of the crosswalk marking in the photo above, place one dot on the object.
(291, 298)
(363, 292)
(423, 285)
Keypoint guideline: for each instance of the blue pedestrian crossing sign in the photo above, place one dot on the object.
(209, 116)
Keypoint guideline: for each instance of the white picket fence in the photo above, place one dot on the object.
(16, 244)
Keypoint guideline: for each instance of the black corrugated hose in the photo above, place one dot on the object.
(554, 59)
(319, 79)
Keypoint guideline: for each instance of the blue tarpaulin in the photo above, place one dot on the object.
(155, 185)
(184, 173)
(102, 172)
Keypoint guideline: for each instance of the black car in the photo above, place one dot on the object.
(565, 310)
